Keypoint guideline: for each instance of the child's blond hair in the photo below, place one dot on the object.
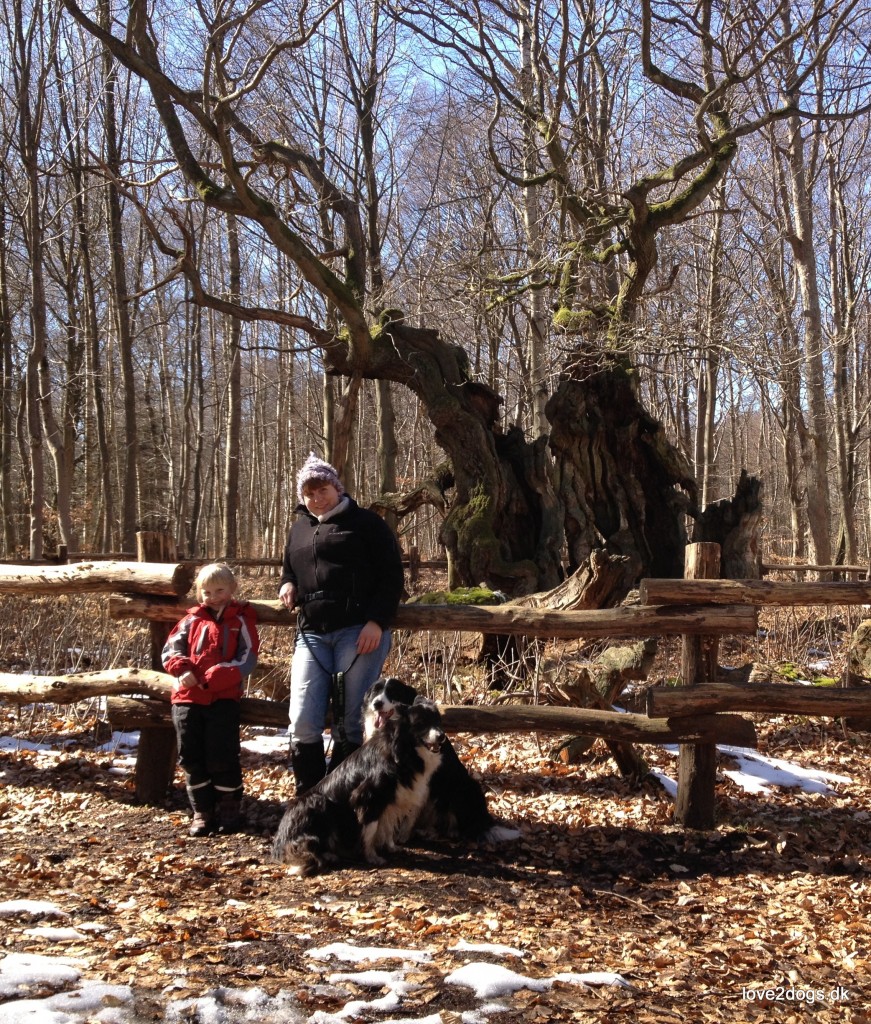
(215, 572)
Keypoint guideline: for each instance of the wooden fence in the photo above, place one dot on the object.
(697, 715)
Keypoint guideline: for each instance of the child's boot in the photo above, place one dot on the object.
(202, 800)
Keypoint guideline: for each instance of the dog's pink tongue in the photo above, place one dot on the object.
(381, 718)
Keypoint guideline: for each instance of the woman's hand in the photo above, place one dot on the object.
(369, 638)
(287, 595)
(188, 681)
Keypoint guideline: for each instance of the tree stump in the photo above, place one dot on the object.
(735, 525)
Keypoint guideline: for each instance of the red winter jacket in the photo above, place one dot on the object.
(219, 652)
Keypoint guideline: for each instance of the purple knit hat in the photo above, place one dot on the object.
(316, 469)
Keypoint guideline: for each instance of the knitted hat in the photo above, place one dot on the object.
(316, 469)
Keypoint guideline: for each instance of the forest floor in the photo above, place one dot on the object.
(765, 918)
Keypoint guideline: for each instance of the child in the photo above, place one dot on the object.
(209, 652)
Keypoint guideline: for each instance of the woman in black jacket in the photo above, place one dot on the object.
(343, 571)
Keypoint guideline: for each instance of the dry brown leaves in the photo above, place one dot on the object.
(764, 919)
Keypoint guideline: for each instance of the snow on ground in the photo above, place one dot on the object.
(757, 773)
(76, 1000)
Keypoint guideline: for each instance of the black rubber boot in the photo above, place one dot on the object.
(340, 752)
(308, 764)
(228, 811)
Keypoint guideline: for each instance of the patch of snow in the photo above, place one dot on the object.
(30, 908)
(55, 934)
(487, 947)
(394, 980)
(21, 971)
(356, 954)
(758, 773)
(491, 980)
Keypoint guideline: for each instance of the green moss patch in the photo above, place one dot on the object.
(462, 595)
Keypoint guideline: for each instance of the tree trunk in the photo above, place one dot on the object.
(387, 446)
(616, 475)
(801, 239)
(619, 485)
(709, 361)
(29, 78)
(538, 326)
(130, 461)
(105, 526)
(193, 436)
(233, 355)
(792, 470)
(6, 390)
(845, 291)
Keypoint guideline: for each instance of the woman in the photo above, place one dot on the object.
(343, 571)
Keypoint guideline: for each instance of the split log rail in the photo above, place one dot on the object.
(697, 715)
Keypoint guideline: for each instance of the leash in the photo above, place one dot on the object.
(337, 694)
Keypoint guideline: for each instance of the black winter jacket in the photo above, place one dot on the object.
(347, 569)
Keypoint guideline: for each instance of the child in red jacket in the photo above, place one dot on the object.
(210, 652)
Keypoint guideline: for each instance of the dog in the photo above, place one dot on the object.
(457, 807)
(368, 803)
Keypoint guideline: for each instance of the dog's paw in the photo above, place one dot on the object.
(499, 834)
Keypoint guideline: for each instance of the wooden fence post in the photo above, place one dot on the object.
(156, 752)
(697, 771)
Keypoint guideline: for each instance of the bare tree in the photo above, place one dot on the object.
(232, 450)
(6, 389)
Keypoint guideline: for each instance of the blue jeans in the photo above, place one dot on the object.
(315, 657)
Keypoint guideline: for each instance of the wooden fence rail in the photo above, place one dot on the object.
(752, 592)
(758, 698)
(130, 713)
(98, 578)
(636, 621)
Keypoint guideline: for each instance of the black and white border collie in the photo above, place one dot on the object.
(370, 801)
(457, 807)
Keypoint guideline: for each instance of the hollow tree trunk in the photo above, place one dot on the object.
(618, 477)
(735, 525)
(614, 486)
(502, 526)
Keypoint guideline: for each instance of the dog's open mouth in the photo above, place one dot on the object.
(381, 717)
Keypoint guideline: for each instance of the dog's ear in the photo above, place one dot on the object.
(424, 702)
(402, 691)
